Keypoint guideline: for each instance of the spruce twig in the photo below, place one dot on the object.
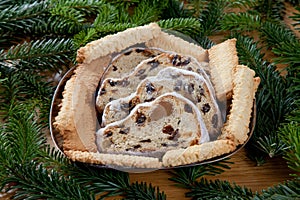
(142, 191)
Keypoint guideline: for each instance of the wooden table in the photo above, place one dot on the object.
(243, 172)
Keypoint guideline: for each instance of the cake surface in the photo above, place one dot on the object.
(169, 122)
(186, 83)
(115, 88)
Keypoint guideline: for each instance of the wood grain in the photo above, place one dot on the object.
(243, 172)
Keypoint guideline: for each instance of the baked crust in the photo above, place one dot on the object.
(236, 128)
(126, 161)
(117, 42)
(76, 108)
(64, 121)
(222, 59)
(198, 153)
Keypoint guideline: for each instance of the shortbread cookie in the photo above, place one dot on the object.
(236, 127)
(64, 121)
(189, 84)
(76, 120)
(114, 160)
(112, 89)
(222, 59)
(197, 153)
(169, 122)
(125, 62)
(117, 42)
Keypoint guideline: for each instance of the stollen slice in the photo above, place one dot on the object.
(186, 83)
(112, 89)
(169, 122)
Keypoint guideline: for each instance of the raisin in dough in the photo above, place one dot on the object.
(125, 62)
(189, 84)
(112, 89)
(169, 122)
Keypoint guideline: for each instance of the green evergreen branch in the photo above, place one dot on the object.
(286, 191)
(86, 7)
(189, 26)
(204, 41)
(24, 135)
(276, 34)
(142, 191)
(22, 18)
(145, 13)
(187, 176)
(44, 54)
(208, 189)
(296, 17)
(176, 9)
(211, 16)
(290, 135)
(240, 22)
(105, 182)
(34, 181)
(67, 17)
(271, 10)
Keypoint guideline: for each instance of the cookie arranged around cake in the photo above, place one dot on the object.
(143, 98)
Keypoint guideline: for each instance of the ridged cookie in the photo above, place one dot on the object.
(222, 59)
(186, 83)
(169, 122)
(236, 127)
(112, 89)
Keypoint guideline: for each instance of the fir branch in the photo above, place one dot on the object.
(145, 13)
(34, 181)
(86, 7)
(189, 26)
(296, 17)
(204, 41)
(176, 9)
(142, 191)
(288, 54)
(211, 16)
(286, 191)
(243, 4)
(275, 34)
(218, 189)
(249, 53)
(24, 134)
(113, 28)
(240, 22)
(67, 19)
(188, 176)
(85, 36)
(11, 92)
(290, 135)
(271, 10)
(44, 54)
(20, 19)
(105, 182)
(107, 14)
(53, 159)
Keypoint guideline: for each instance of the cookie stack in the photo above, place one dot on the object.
(143, 98)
